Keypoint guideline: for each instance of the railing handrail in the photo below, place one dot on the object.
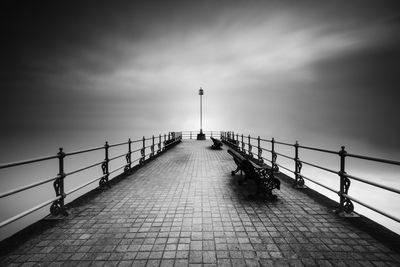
(319, 149)
(27, 212)
(388, 161)
(159, 143)
(397, 219)
(388, 188)
(26, 187)
(318, 166)
(84, 151)
(195, 132)
(27, 161)
(243, 144)
(119, 144)
(162, 142)
(84, 168)
(283, 143)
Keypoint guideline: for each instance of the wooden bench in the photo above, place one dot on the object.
(261, 174)
(216, 143)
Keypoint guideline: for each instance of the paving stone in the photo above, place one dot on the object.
(185, 209)
(209, 257)
(195, 256)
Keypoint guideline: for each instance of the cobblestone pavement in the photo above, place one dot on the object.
(184, 209)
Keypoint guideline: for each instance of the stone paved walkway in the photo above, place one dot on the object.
(184, 209)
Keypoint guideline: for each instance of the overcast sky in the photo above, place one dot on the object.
(293, 70)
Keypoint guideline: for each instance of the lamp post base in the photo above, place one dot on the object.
(201, 136)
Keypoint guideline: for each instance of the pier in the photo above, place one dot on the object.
(184, 208)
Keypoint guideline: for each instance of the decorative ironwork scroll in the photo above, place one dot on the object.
(128, 157)
(151, 151)
(152, 148)
(348, 206)
(250, 147)
(159, 145)
(275, 167)
(57, 207)
(128, 162)
(104, 167)
(345, 203)
(299, 179)
(104, 180)
(259, 155)
(141, 160)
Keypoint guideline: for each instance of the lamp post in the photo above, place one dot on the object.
(201, 135)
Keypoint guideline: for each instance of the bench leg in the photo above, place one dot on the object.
(216, 146)
(271, 196)
(268, 185)
(235, 171)
(262, 191)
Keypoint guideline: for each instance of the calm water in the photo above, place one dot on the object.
(19, 149)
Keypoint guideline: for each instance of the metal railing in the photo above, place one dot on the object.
(147, 148)
(193, 134)
(245, 144)
(147, 151)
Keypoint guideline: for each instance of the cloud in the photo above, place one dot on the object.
(358, 94)
(89, 66)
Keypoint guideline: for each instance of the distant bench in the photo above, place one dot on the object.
(216, 143)
(261, 174)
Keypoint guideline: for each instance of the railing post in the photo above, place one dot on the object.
(190, 134)
(159, 144)
(298, 181)
(273, 151)
(165, 141)
(243, 149)
(250, 147)
(345, 203)
(211, 134)
(142, 151)
(105, 168)
(237, 141)
(260, 159)
(128, 157)
(273, 157)
(58, 206)
(273, 160)
(152, 148)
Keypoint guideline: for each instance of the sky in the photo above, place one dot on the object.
(75, 69)
(77, 73)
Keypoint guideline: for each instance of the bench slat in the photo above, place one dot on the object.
(261, 174)
(217, 143)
